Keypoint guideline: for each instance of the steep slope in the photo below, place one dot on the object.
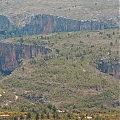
(43, 23)
(113, 69)
(20, 12)
(68, 76)
(49, 23)
(11, 55)
(5, 24)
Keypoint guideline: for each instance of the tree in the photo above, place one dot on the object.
(55, 116)
(88, 35)
(57, 51)
(109, 35)
(21, 117)
(48, 115)
(42, 37)
(42, 116)
(37, 116)
(111, 44)
(15, 118)
(54, 109)
(113, 33)
(21, 40)
(69, 115)
(28, 115)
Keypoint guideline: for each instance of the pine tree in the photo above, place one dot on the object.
(37, 116)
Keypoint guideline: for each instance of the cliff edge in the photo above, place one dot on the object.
(11, 54)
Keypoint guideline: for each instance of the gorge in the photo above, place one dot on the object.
(11, 54)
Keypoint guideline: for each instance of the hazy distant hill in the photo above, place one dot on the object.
(20, 11)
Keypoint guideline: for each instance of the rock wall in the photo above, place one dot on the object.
(5, 24)
(113, 69)
(43, 23)
(11, 54)
(49, 23)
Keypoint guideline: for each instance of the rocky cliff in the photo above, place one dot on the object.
(5, 24)
(43, 23)
(113, 69)
(11, 54)
(49, 23)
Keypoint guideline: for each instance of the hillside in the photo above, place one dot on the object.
(68, 76)
(45, 23)
(59, 60)
(20, 12)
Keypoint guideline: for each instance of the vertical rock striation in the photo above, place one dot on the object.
(5, 24)
(11, 54)
(44, 23)
(113, 69)
(49, 23)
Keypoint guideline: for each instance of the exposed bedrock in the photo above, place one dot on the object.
(5, 24)
(49, 23)
(11, 54)
(44, 23)
(113, 69)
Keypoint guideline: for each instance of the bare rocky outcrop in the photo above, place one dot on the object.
(11, 54)
(49, 23)
(44, 23)
(5, 24)
(113, 69)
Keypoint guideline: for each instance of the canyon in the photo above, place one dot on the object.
(11, 54)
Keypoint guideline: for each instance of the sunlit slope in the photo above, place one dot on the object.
(68, 76)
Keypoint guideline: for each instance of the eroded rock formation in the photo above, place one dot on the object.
(5, 24)
(43, 23)
(49, 23)
(11, 54)
(113, 69)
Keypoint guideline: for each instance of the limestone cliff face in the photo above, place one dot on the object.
(5, 24)
(11, 54)
(43, 23)
(113, 69)
(49, 23)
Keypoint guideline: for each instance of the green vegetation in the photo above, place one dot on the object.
(66, 79)
(56, 116)
(64, 84)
